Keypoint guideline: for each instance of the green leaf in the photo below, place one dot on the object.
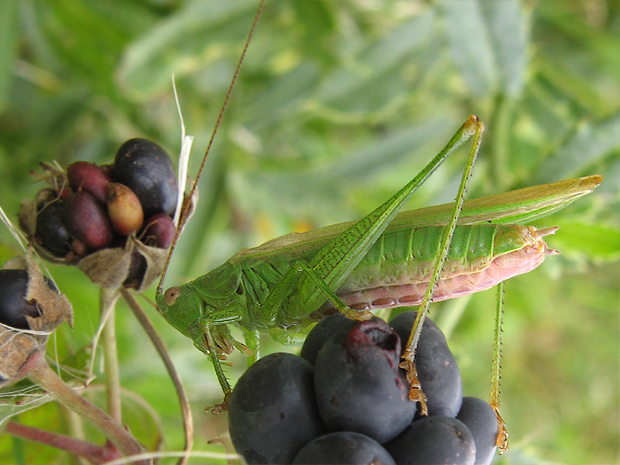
(488, 43)
(470, 45)
(374, 79)
(596, 241)
(600, 43)
(85, 38)
(283, 98)
(9, 33)
(303, 191)
(508, 26)
(591, 142)
(176, 44)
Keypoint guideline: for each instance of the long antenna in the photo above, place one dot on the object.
(186, 204)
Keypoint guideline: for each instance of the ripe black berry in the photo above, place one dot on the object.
(50, 230)
(481, 420)
(359, 386)
(321, 333)
(434, 440)
(273, 411)
(13, 304)
(343, 448)
(146, 169)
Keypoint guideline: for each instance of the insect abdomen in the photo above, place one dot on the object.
(396, 270)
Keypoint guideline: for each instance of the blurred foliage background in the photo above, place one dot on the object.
(338, 104)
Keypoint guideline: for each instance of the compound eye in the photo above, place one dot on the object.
(171, 295)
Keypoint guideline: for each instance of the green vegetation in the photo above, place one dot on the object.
(338, 104)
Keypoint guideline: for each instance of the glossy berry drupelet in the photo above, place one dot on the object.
(434, 440)
(343, 448)
(273, 411)
(146, 169)
(359, 386)
(481, 420)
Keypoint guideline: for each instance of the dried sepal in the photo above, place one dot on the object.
(155, 261)
(19, 348)
(110, 268)
(52, 174)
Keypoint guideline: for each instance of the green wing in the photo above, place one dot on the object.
(514, 207)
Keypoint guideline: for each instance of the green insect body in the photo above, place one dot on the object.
(397, 269)
(383, 260)
(394, 272)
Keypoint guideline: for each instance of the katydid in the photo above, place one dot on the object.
(383, 260)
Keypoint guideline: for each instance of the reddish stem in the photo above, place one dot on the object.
(40, 373)
(92, 452)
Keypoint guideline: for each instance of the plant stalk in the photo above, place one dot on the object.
(41, 374)
(107, 302)
(94, 453)
(150, 330)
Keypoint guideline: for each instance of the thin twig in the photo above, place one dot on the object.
(150, 330)
(41, 374)
(92, 452)
(107, 302)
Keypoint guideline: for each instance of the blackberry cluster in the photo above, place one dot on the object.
(345, 401)
(90, 208)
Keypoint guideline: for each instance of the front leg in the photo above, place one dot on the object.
(206, 344)
(217, 343)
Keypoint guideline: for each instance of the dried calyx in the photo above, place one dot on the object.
(31, 310)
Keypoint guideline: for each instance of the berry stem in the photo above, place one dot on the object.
(107, 302)
(92, 452)
(188, 424)
(41, 374)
